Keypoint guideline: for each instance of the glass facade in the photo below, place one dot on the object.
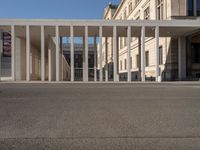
(190, 8)
(195, 53)
(193, 7)
(198, 7)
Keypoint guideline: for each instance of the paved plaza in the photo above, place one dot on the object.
(88, 116)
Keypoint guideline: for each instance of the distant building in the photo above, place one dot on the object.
(168, 47)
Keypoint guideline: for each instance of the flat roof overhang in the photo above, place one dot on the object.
(168, 28)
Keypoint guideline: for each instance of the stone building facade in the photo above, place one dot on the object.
(168, 47)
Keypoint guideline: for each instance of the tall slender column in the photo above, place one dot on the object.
(106, 55)
(42, 55)
(143, 54)
(13, 52)
(83, 55)
(157, 52)
(57, 55)
(86, 53)
(1, 49)
(49, 59)
(139, 61)
(181, 58)
(72, 52)
(61, 53)
(115, 53)
(129, 53)
(95, 59)
(100, 53)
(27, 53)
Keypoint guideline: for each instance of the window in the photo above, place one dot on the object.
(195, 53)
(125, 64)
(130, 7)
(147, 58)
(121, 39)
(76, 65)
(198, 7)
(160, 55)
(131, 62)
(193, 7)
(137, 61)
(120, 65)
(147, 13)
(190, 8)
(91, 61)
(160, 9)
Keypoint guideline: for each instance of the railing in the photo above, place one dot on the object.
(91, 74)
(78, 74)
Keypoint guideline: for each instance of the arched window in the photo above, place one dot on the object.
(160, 9)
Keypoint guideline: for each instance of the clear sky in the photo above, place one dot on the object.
(54, 9)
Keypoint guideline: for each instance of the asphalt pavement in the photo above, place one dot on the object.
(92, 116)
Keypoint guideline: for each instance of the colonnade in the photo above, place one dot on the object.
(100, 35)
